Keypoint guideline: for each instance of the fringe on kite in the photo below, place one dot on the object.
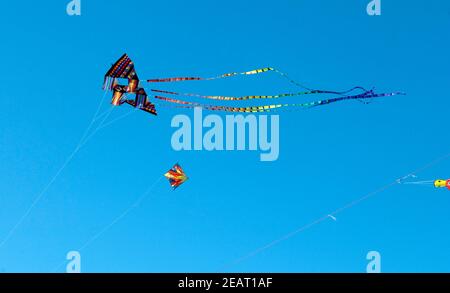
(109, 83)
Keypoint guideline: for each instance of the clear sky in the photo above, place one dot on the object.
(53, 67)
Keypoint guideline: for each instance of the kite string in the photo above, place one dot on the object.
(103, 114)
(325, 217)
(53, 179)
(102, 124)
(117, 119)
(427, 182)
(108, 112)
(135, 204)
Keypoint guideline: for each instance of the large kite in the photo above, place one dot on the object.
(124, 69)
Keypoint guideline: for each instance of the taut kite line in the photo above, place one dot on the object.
(438, 183)
(124, 69)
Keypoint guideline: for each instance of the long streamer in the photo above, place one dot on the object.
(225, 75)
(253, 97)
(266, 108)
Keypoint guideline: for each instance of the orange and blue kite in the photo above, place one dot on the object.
(176, 176)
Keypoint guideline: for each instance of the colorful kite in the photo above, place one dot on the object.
(176, 176)
(124, 69)
(442, 183)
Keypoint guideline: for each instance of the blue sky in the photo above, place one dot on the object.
(233, 203)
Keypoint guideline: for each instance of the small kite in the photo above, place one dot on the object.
(124, 69)
(176, 176)
(442, 183)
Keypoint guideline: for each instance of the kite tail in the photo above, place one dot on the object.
(342, 92)
(266, 108)
(229, 98)
(174, 79)
(364, 96)
(254, 97)
(191, 105)
(225, 75)
(253, 72)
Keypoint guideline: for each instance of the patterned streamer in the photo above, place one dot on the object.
(175, 79)
(266, 108)
(243, 98)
